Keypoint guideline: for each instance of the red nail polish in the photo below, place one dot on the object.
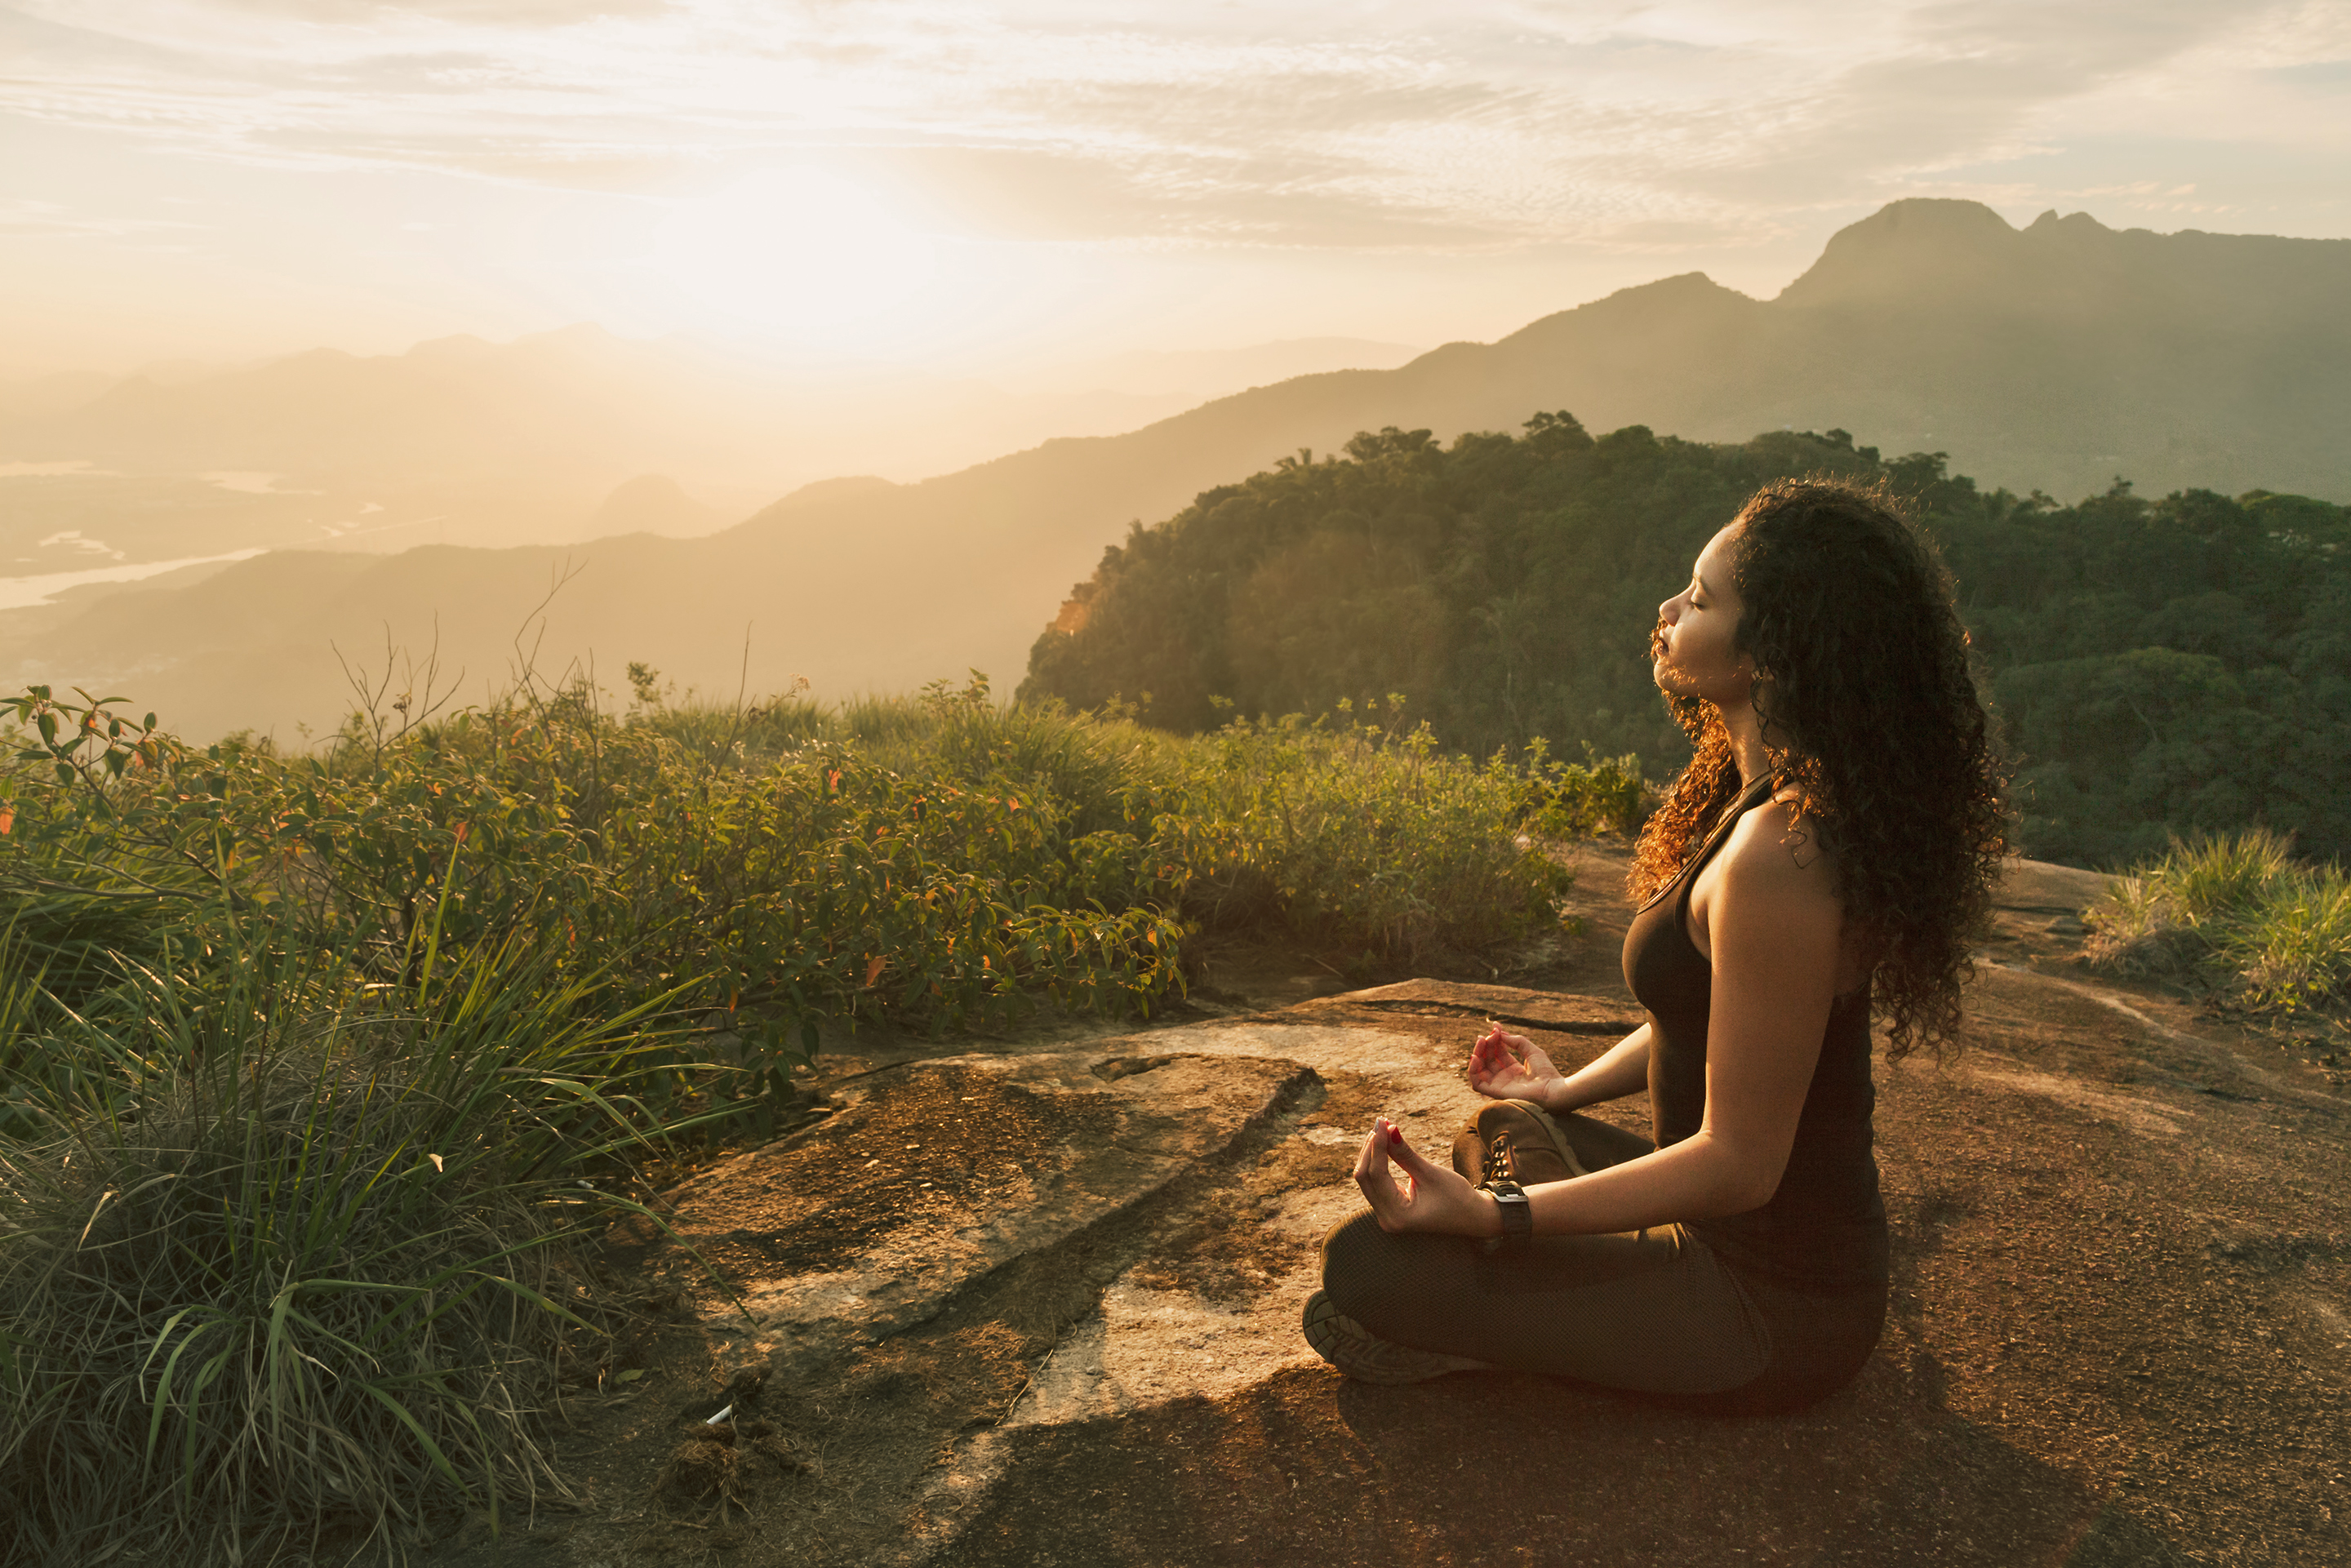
(1395, 1135)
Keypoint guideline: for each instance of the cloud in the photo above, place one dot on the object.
(1413, 125)
(50, 220)
(498, 12)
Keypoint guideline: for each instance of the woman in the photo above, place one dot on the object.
(1833, 843)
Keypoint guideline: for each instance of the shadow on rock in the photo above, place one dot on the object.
(1494, 1467)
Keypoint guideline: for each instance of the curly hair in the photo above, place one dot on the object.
(1870, 714)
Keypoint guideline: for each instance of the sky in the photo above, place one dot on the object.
(938, 183)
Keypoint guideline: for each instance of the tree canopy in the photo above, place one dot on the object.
(2161, 666)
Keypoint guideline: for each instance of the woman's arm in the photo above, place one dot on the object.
(1773, 927)
(1624, 1070)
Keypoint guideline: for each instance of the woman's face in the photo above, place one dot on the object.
(1692, 651)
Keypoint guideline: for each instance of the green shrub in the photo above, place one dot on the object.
(1368, 838)
(818, 886)
(935, 863)
(1598, 795)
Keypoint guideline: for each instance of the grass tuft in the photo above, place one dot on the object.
(306, 1270)
(2238, 912)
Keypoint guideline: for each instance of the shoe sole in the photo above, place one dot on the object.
(1364, 1356)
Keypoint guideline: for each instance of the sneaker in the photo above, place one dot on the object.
(1511, 1142)
(1363, 1355)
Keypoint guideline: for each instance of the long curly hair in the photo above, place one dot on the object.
(1871, 714)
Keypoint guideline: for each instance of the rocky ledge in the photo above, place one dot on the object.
(1037, 1305)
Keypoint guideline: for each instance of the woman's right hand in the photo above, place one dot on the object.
(1433, 1197)
(1506, 1066)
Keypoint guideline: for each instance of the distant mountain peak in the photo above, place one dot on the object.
(1679, 283)
(652, 504)
(1943, 215)
(2076, 223)
(578, 337)
(1920, 246)
(458, 346)
(823, 492)
(1676, 296)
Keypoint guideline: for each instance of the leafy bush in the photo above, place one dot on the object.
(1598, 795)
(2238, 912)
(823, 887)
(1367, 837)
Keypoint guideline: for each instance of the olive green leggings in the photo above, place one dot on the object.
(1654, 1312)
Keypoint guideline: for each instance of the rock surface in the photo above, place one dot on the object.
(1040, 1306)
(933, 1176)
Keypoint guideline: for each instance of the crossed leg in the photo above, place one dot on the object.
(1650, 1311)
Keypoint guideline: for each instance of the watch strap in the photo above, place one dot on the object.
(1518, 1213)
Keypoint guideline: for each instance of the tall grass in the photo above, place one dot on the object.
(2239, 912)
(316, 1071)
(282, 1263)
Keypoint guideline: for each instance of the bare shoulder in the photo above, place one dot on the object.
(1773, 883)
(1776, 853)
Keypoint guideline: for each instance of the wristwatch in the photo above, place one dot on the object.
(1518, 1216)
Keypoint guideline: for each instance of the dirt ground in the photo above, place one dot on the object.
(1035, 1302)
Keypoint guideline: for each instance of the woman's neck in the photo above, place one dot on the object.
(1745, 731)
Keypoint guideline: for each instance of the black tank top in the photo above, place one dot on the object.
(1825, 1227)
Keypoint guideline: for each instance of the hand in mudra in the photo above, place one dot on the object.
(1432, 1196)
(1506, 1066)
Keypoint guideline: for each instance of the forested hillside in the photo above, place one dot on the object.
(2162, 666)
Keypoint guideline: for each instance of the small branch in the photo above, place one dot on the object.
(527, 670)
(143, 891)
(1030, 1382)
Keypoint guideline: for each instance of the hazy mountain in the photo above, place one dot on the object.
(1200, 374)
(2054, 357)
(460, 440)
(2050, 358)
(651, 504)
(51, 394)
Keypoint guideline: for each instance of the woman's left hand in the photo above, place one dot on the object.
(1506, 1066)
(1433, 1197)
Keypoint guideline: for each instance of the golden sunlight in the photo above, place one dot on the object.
(798, 255)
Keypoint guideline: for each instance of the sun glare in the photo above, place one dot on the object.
(800, 256)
